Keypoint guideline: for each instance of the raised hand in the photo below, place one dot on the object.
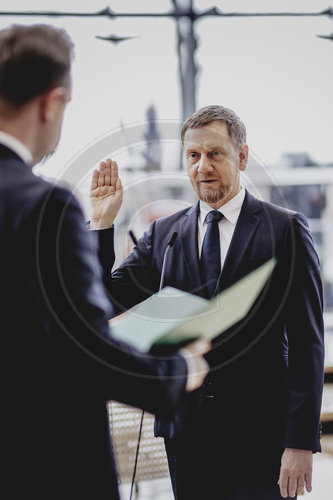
(106, 195)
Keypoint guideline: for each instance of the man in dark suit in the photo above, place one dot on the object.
(59, 363)
(250, 433)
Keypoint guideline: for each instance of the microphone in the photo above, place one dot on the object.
(132, 236)
(169, 245)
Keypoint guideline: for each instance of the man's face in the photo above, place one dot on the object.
(214, 163)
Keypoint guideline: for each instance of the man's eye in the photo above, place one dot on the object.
(215, 153)
(193, 156)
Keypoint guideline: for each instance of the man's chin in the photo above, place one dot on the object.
(211, 196)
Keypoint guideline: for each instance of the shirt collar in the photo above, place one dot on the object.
(230, 210)
(16, 146)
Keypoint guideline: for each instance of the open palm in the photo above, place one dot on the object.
(106, 195)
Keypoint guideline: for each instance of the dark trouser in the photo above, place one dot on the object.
(206, 465)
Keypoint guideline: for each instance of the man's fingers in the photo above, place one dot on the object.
(197, 365)
(100, 180)
(107, 173)
(283, 483)
(292, 486)
(114, 173)
(203, 346)
(119, 186)
(300, 485)
(94, 180)
(296, 468)
(199, 347)
(308, 482)
(300, 489)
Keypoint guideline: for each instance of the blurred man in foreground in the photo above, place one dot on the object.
(60, 365)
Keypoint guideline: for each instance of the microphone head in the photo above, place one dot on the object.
(173, 239)
(133, 238)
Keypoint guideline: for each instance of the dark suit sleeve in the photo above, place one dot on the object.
(136, 278)
(104, 239)
(305, 334)
(69, 276)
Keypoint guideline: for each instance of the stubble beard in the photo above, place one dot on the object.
(212, 196)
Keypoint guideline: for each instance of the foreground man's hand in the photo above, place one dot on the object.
(198, 367)
(296, 470)
(106, 195)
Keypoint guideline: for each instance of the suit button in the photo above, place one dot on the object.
(208, 392)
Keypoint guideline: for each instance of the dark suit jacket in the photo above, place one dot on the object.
(267, 372)
(59, 365)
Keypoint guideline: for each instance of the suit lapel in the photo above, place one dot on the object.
(247, 224)
(188, 232)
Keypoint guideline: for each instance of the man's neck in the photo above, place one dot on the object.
(20, 124)
(17, 146)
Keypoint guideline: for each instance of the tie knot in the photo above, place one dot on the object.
(214, 216)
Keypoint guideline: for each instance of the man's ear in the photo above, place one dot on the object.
(243, 156)
(49, 103)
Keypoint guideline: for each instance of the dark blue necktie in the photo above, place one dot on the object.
(210, 253)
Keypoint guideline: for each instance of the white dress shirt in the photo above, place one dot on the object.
(230, 211)
(16, 146)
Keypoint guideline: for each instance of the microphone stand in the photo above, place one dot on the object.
(169, 245)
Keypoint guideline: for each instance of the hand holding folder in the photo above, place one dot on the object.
(173, 317)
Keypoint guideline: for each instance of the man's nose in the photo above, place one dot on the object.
(204, 165)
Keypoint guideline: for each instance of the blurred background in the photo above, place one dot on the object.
(142, 67)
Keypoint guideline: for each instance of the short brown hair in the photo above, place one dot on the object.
(33, 60)
(209, 114)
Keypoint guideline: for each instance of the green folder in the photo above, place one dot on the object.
(173, 317)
